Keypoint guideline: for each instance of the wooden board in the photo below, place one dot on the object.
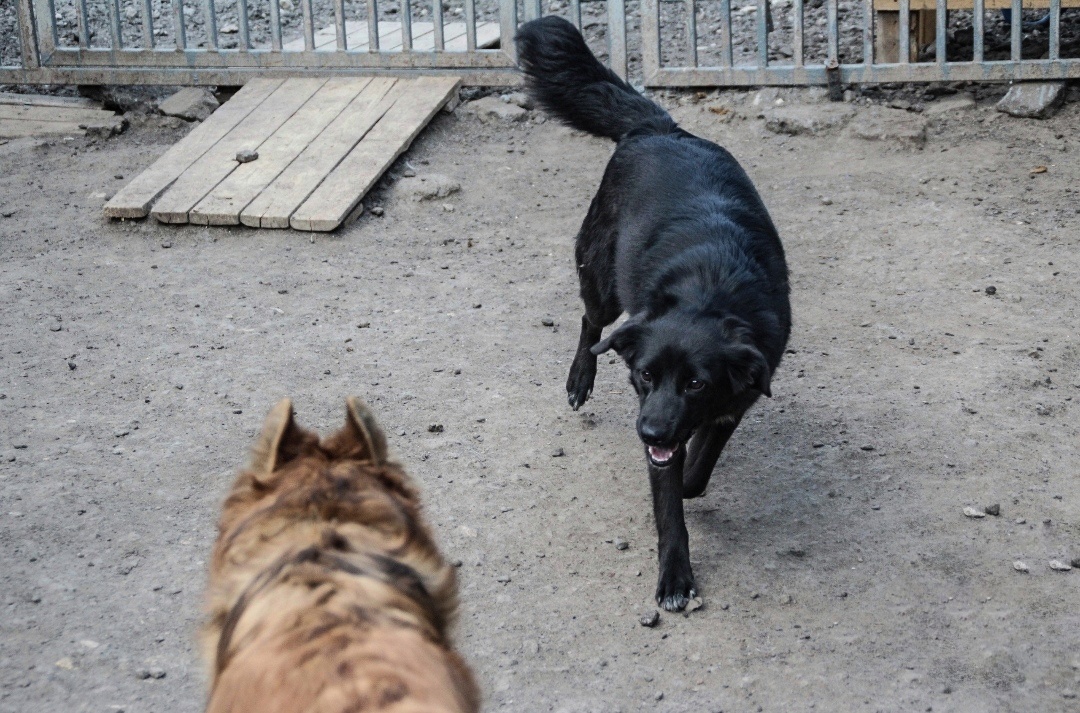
(134, 199)
(72, 115)
(342, 190)
(48, 100)
(220, 159)
(321, 143)
(25, 115)
(223, 204)
(488, 35)
(21, 129)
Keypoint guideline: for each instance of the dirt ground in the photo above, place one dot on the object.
(837, 568)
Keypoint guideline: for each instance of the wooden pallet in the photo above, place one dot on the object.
(23, 115)
(322, 144)
(390, 36)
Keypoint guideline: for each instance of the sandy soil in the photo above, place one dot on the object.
(838, 570)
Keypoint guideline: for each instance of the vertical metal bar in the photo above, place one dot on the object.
(373, 25)
(148, 25)
(1017, 30)
(275, 25)
(532, 9)
(47, 32)
(797, 49)
(868, 33)
(406, 26)
(210, 16)
(470, 25)
(617, 37)
(904, 41)
(575, 13)
(437, 18)
(691, 31)
(339, 25)
(28, 43)
(245, 26)
(1055, 29)
(508, 21)
(726, 57)
(941, 21)
(114, 25)
(309, 24)
(763, 32)
(84, 25)
(833, 31)
(978, 30)
(650, 38)
(179, 31)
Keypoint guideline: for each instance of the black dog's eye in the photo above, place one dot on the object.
(695, 385)
(646, 376)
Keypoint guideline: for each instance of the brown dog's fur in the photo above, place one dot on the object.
(327, 593)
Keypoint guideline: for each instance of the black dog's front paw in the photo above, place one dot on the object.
(675, 590)
(579, 384)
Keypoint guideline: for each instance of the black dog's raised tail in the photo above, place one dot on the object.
(563, 76)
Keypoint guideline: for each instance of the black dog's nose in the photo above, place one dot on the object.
(652, 434)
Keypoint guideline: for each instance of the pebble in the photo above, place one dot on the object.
(650, 619)
(504, 579)
(65, 663)
(246, 155)
(991, 290)
(972, 512)
(660, 696)
(1059, 566)
(994, 509)
(146, 673)
(826, 201)
(1075, 562)
(866, 448)
(1020, 566)
(435, 428)
(548, 322)
(558, 453)
(167, 244)
(377, 210)
(621, 544)
(693, 605)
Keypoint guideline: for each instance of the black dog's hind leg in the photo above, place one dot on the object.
(675, 585)
(704, 451)
(595, 255)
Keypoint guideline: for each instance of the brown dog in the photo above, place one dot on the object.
(327, 593)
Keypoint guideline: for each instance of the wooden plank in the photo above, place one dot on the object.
(272, 207)
(220, 160)
(222, 205)
(894, 5)
(70, 115)
(342, 190)
(47, 100)
(134, 199)
(20, 129)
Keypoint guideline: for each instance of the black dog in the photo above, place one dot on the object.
(678, 238)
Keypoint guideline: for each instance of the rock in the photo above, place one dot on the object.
(65, 663)
(994, 509)
(558, 453)
(972, 512)
(145, 673)
(491, 110)
(377, 210)
(950, 105)
(991, 290)
(1033, 100)
(650, 619)
(621, 544)
(1075, 562)
(166, 244)
(229, 28)
(429, 187)
(1059, 566)
(547, 322)
(694, 604)
(1020, 566)
(894, 125)
(190, 103)
(435, 428)
(503, 579)
(812, 120)
(246, 155)
(520, 99)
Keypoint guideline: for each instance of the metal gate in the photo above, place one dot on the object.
(657, 43)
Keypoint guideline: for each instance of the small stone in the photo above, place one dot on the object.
(429, 187)
(229, 28)
(377, 210)
(547, 322)
(456, 563)
(179, 387)
(55, 327)
(660, 696)
(65, 663)
(1020, 566)
(520, 99)
(493, 110)
(826, 201)
(1033, 100)
(503, 579)
(191, 103)
(972, 512)
(364, 325)
(866, 447)
(991, 290)
(121, 433)
(558, 453)
(166, 244)
(650, 619)
(621, 544)
(994, 509)
(246, 155)
(1075, 562)
(1059, 566)
(435, 428)
(693, 605)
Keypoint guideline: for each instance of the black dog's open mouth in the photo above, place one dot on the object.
(663, 455)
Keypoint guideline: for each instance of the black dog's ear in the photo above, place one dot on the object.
(747, 368)
(621, 338)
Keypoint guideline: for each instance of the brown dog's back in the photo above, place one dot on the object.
(327, 593)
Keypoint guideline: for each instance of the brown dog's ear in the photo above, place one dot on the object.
(272, 449)
(622, 338)
(362, 438)
(749, 369)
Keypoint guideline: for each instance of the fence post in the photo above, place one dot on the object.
(28, 34)
(617, 37)
(508, 21)
(650, 41)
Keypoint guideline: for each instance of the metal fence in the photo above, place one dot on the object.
(657, 43)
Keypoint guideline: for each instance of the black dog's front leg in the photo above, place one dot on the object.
(675, 586)
(579, 384)
(704, 451)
